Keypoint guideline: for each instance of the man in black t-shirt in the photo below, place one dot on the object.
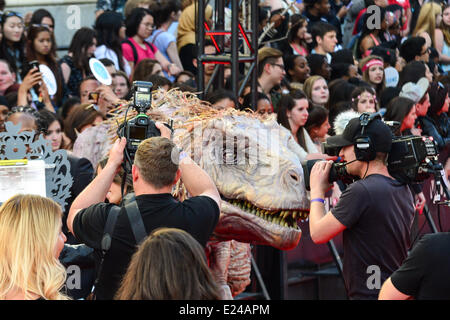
(375, 213)
(154, 174)
(425, 273)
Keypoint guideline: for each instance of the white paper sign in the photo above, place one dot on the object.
(100, 72)
(49, 79)
(23, 179)
(391, 75)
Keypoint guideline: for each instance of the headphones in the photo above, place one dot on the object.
(364, 148)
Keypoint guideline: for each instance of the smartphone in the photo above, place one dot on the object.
(349, 4)
(33, 64)
(93, 96)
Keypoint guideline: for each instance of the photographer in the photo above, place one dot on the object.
(154, 174)
(375, 213)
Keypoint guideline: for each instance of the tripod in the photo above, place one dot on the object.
(436, 168)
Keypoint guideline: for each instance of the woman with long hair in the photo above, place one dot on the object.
(297, 37)
(293, 114)
(41, 47)
(372, 68)
(121, 85)
(139, 26)
(364, 99)
(52, 127)
(43, 17)
(318, 125)
(12, 45)
(442, 40)
(75, 65)
(402, 110)
(429, 19)
(82, 117)
(316, 90)
(169, 265)
(110, 29)
(31, 240)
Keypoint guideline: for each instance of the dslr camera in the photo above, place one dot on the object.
(140, 127)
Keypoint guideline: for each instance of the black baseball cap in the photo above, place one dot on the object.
(378, 132)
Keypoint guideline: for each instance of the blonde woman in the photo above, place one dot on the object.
(30, 243)
(442, 38)
(429, 19)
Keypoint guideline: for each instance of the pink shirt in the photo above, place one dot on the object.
(141, 53)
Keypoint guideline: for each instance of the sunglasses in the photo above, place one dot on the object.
(47, 26)
(6, 14)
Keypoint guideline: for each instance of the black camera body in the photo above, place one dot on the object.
(338, 171)
(140, 127)
(409, 158)
(408, 161)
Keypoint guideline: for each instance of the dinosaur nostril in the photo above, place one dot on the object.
(294, 177)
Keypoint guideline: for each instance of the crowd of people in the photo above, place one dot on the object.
(318, 71)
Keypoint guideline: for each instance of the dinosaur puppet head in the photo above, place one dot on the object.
(256, 168)
(254, 162)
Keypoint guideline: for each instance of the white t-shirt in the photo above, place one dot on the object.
(104, 52)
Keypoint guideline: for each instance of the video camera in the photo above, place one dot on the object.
(140, 127)
(411, 160)
(338, 171)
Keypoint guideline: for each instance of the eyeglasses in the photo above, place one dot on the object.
(278, 65)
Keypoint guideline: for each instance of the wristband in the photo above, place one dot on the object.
(318, 200)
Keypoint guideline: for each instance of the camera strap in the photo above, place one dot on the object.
(137, 226)
(106, 244)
